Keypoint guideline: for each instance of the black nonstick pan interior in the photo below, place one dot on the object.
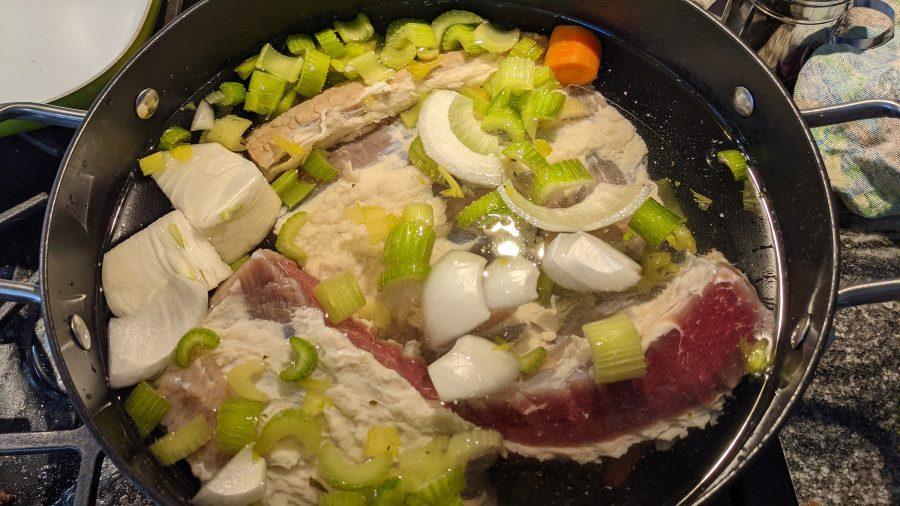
(681, 131)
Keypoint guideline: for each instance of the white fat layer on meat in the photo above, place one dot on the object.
(335, 244)
(605, 133)
(364, 392)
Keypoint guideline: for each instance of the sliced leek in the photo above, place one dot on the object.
(616, 347)
(290, 423)
(146, 408)
(236, 421)
(192, 342)
(182, 442)
(287, 101)
(757, 358)
(340, 296)
(286, 243)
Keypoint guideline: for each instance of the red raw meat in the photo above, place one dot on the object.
(274, 287)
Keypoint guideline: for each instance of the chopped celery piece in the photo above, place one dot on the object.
(304, 362)
(527, 47)
(666, 193)
(299, 43)
(237, 264)
(290, 423)
(330, 43)
(409, 242)
(290, 147)
(242, 380)
(616, 346)
(264, 92)
(229, 93)
(544, 78)
(454, 190)
(194, 341)
(342, 498)
(473, 444)
(156, 162)
(543, 147)
(394, 27)
(370, 68)
(173, 136)
(286, 242)
(279, 65)
(527, 154)
(427, 53)
(756, 356)
(410, 117)
(314, 403)
(229, 132)
(287, 101)
(388, 493)
(681, 239)
(340, 296)
(318, 166)
(412, 33)
(182, 442)
(291, 188)
(416, 271)
(236, 421)
(315, 385)
(359, 29)
(541, 105)
(377, 221)
(182, 152)
(418, 70)
(654, 222)
(557, 177)
(545, 289)
(461, 36)
(315, 70)
(397, 58)
(504, 120)
(382, 439)
(748, 196)
(375, 312)
(454, 17)
(702, 201)
(490, 203)
(657, 267)
(419, 212)
(442, 489)
(339, 473)
(480, 99)
(513, 74)
(466, 128)
(533, 360)
(246, 67)
(421, 160)
(735, 161)
(146, 408)
(494, 40)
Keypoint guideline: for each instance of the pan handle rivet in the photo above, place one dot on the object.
(742, 101)
(80, 331)
(146, 103)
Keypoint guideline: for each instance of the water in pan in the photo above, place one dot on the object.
(680, 131)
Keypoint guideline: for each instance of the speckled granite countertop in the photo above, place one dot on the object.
(842, 443)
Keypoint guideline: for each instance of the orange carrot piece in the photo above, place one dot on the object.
(574, 54)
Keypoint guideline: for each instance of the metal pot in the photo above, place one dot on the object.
(657, 68)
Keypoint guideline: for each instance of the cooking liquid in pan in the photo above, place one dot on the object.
(680, 131)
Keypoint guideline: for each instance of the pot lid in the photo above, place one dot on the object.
(53, 48)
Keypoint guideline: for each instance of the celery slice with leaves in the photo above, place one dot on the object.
(236, 421)
(339, 473)
(359, 29)
(305, 360)
(192, 342)
(182, 442)
(616, 346)
(290, 423)
(146, 408)
(286, 242)
(340, 296)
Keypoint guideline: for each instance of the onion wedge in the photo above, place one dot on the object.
(607, 204)
(445, 148)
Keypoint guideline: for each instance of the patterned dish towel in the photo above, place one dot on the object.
(862, 157)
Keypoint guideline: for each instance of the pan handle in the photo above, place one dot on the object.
(851, 111)
(868, 292)
(43, 113)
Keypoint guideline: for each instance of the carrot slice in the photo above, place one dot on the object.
(574, 54)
